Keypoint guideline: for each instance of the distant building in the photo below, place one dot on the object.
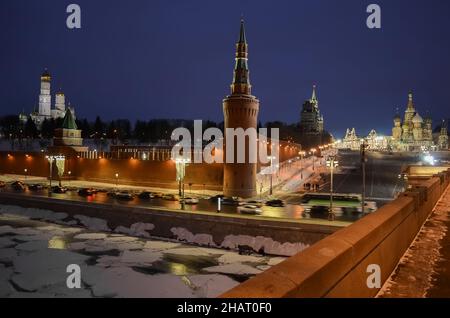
(45, 110)
(414, 133)
(443, 137)
(68, 139)
(311, 121)
(350, 141)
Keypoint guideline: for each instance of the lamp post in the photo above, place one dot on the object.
(50, 159)
(25, 172)
(271, 158)
(332, 163)
(363, 166)
(117, 180)
(301, 154)
(181, 172)
(313, 151)
(70, 174)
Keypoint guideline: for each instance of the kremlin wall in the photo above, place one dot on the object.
(160, 172)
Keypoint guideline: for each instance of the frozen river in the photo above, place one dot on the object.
(34, 257)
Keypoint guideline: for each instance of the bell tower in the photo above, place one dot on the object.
(240, 110)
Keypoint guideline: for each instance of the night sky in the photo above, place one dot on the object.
(142, 59)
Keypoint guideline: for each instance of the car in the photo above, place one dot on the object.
(2, 184)
(18, 186)
(59, 189)
(249, 209)
(124, 195)
(254, 202)
(146, 195)
(216, 197)
(111, 194)
(158, 195)
(85, 192)
(35, 187)
(190, 201)
(171, 197)
(231, 201)
(275, 203)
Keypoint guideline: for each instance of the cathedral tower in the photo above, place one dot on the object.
(45, 99)
(240, 110)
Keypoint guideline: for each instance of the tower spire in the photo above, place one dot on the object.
(314, 94)
(241, 80)
(242, 37)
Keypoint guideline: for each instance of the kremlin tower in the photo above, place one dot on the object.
(240, 110)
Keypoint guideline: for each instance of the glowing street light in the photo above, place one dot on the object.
(271, 158)
(50, 159)
(117, 180)
(302, 155)
(313, 151)
(181, 172)
(332, 163)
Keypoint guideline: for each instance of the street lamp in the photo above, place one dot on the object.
(332, 163)
(25, 171)
(313, 151)
(271, 158)
(117, 180)
(363, 167)
(181, 172)
(301, 154)
(50, 159)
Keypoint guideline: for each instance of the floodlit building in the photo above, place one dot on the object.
(443, 137)
(414, 133)
(45, 110)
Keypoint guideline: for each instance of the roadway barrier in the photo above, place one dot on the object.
(337, 266)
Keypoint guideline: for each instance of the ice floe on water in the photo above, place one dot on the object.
(235, 269)
(137, 229)
(34, 256)
(263, 244)
(94, 224)
(186, 236)
(211, 286)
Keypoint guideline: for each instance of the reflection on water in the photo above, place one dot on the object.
(290, 211)
(58, 243)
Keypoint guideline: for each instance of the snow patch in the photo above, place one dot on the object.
(184, 235)
(236, 269)
(90, 236)
(137, 229)
(211, 286)
(263, 244)
(94, 224)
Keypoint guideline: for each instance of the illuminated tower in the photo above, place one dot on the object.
(240, 110)
(45, 99)
(407, 122)
(60, 105)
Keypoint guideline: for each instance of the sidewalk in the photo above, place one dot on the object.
(424, 270)
(101, 185)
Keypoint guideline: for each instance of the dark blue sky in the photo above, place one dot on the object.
(142, 59)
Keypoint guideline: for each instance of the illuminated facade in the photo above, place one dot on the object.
(45, 110)
(414, 133)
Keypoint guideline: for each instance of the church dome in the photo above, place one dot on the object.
(417, 119)
(397, 118)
